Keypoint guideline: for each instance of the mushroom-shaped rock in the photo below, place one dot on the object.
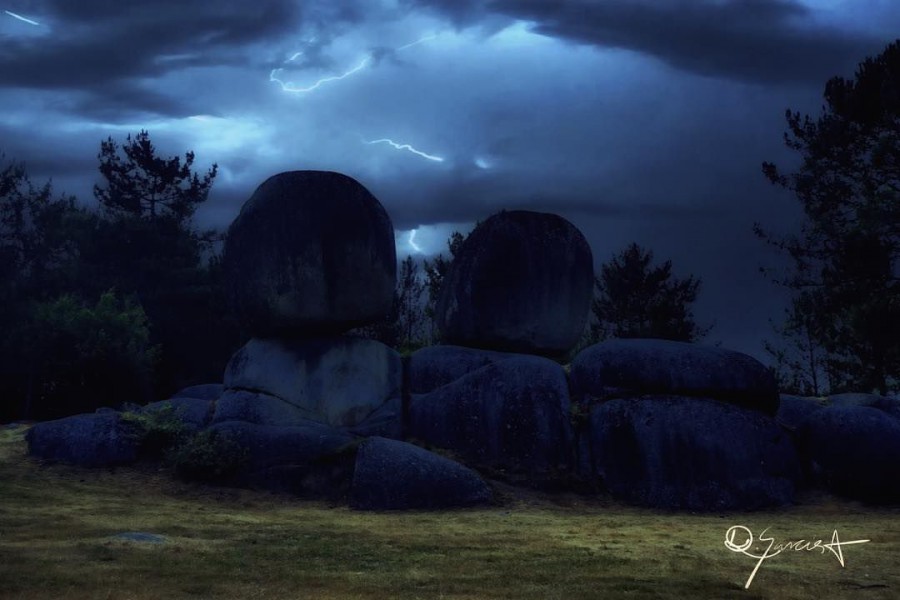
(521, 282)
(633, 367)
(394, 475)
(311, 252)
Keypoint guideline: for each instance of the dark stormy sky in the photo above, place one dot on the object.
(638, 120)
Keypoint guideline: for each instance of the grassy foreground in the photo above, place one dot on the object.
(57, 523)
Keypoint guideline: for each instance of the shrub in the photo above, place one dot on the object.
(208, 456)
(158, 431)
(82, 357)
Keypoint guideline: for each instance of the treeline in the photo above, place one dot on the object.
(122, 303)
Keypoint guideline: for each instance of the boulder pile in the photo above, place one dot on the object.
(315, 410)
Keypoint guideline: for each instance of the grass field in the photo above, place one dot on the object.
(57, 525)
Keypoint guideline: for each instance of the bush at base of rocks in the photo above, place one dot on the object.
(156, 431)
(210, 456)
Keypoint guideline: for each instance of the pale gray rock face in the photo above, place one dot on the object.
(338, 381)
(394, 475)
(311, 253)
(522, 282)
(513, 415)
(633, 367)
(691, 453)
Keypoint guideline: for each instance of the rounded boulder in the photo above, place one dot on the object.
(522, 282)
(854, 451)
(394, 475)
(633, 367)
(311, 252)
(512, 415)
(691, 453)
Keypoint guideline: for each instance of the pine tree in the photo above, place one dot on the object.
(635, 300)
(846, 257)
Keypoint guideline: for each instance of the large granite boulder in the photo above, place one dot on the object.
(521, 282)
(394, 475)
(296, 459)
(511, 415)
(634, 367)
(854, 451)
(311, 252)
(91, 440)
(690, 453)
(340, 381)
(431, 367)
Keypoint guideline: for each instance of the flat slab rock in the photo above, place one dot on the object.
(632, 367)
(394, 475)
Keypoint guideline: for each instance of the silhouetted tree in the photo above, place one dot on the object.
(145, 185)
(635, 300)
(803, 369)
(411, 315)
(845, 258)
(147, 246)
(435, 271)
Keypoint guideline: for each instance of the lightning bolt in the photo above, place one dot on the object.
(406, 147)
(365, 62)
(412, 241)
(418, 41)
(21, 18)
(290, 87)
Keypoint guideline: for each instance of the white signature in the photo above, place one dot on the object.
(740, 539)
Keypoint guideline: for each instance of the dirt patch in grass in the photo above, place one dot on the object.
(58, 526)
